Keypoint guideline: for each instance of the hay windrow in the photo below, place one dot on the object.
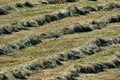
(15, 27)
(56, 1)
(76, 28)
(52, 55)
(7, 9)
(11, 47)
(97, 45)
(88, 69)
(79, 28)
(68, 12)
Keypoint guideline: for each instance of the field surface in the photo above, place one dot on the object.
(59, 39)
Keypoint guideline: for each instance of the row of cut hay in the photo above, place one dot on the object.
(76, 28)
(88, 69)
(71, 11)
(16, 27)
(4, 10)
(59, 1)
(11, 47)
(24, 70)
(56, 1)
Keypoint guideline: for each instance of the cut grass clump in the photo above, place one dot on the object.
(93, 0)
(3, 11)
(23, 5)
(56, 1)
(30, 23)
(28, 4)
(72, 0)
(77, 11)
(9, 8)
(19, 5)
(51, 17)
(91, 8)
(112, 6)
(81, 28)
(102, 22)
(75, 28)
(13, 28)
(10, 47)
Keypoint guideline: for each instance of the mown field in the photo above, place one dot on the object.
(59, 39)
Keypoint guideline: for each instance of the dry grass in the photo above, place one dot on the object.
(37, 11)
(50, 47)
(107, 55)
(55, 25)
(54, 46)
(113, 74)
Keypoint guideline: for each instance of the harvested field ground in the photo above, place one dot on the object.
(103, 75)
(59, 40)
